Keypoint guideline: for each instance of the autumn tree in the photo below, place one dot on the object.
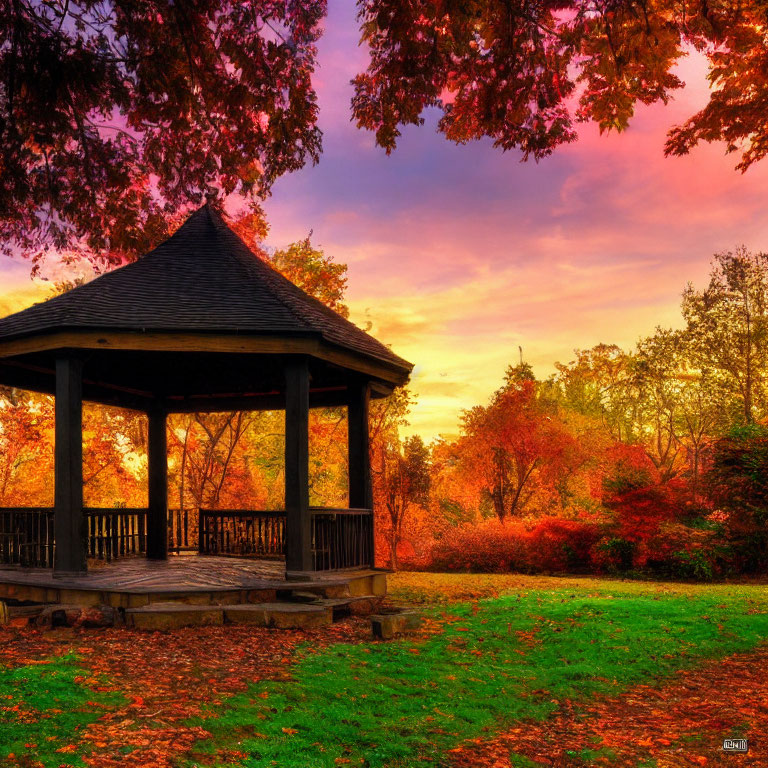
(524, 73)
(655, 397)
(314, 272)
(114, 452)
(700, 422)
(452, 498)
(401, 482)
(328, 458)
(680, 410)
(306, 265)
(727, 327)
(514, 441)
(26, 447)
(206, 444)
(115, 115)
(236, 459)
(639, 502)
(657, 379)
(600, 383)
(114, 457)
(387, 417)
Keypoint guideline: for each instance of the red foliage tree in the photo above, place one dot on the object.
(523, 74)
(513, 443)
(115, 115)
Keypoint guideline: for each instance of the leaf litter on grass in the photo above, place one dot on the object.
(45, 709)
(239, 695)
(157, 681)
(677, 723)
(495, 663)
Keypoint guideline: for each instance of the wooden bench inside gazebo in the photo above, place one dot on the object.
(199, 324)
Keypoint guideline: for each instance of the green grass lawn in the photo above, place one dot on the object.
(496, 662)
(484, 664)
(43, 707)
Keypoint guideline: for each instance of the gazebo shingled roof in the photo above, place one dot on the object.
(203, 278)
(164, 325)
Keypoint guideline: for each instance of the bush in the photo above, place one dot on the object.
(738, 482)
(613, 554)
(651, 529)
(641, 512)
(694, 566)
(555, 544)
(489, 547)
(547, 545)
(683, 551)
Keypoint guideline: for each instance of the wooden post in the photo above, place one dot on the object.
(157, 460)
(298, 540)
(360, 493)
(359, 453)
(69, 519)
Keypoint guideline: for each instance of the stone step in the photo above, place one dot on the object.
(157, 616)
(280, 615)
(27, 611)
(362, 605)
(160, 616)
(396, 621)
(299, 596)
(171, 614)
(308, 592)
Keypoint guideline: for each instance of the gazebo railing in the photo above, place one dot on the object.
(26, 536)
(241, 532)
(341, 538)
(183, 530)
(114, 532)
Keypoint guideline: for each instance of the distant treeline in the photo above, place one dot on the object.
(653, 459)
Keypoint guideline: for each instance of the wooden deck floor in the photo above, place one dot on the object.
(179, 574)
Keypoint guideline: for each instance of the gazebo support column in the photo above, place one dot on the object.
(157, 470)
(298, 540)
(359, 451)
(69, 520)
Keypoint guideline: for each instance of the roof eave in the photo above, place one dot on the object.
(309, 343)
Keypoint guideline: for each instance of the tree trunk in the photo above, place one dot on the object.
(498, 504)
(393, 542)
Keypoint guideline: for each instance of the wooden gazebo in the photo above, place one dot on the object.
(199, 324)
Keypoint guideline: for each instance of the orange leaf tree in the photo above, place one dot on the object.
(513, 444)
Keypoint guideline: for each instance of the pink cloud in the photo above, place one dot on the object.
(458, 255)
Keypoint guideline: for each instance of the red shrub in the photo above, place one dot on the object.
(552, 544)
(486, 548)
(641, 511)
(562, 545)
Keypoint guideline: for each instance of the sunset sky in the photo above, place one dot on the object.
(458, 255)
